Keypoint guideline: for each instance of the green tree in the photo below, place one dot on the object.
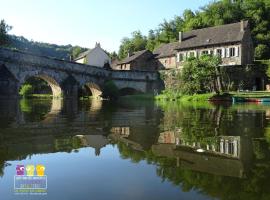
(110, 90)
(201, 75)
(137, 42)
(261, 51)
(4, 29)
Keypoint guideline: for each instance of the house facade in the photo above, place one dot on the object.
(232, 42)
(95, 57)
(140, 60)
(165, 56)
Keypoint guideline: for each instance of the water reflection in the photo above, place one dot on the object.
(196, 147)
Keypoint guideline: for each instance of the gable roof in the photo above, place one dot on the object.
(83, 54)
(229, 33)
(166, 50)
(134, 56)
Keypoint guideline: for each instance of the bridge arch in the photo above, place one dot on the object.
(94, 88)
(51, 81)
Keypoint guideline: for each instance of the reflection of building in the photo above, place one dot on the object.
(223, 145)
(167, 137)
(95, 141)
(221, 155)
(123, 131)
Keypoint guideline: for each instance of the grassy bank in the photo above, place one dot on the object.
(211, 96)
(184, 98)
(38, 96)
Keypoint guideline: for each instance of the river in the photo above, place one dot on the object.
(135, 150)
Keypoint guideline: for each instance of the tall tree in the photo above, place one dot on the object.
(4, 29)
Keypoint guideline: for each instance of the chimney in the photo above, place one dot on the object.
(180, 36)
(242, 26)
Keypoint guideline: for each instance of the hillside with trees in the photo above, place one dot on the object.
(39, 48)
(214, 14)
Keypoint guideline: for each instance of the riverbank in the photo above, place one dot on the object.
(39, 96)
(228, 97)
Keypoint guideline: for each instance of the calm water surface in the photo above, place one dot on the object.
(137, 150)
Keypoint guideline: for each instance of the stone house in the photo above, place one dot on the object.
(94, 57)
(165, 56)
(232, 42)
(140, 60)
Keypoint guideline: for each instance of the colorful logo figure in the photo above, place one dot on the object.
(20, 170)
(30, 170)
(40, 170)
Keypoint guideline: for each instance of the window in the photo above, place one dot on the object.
(181, 57)
(211, 52)
(219, 52)
(232, 52)
(165, 62)
(192, 54)
(205, 52)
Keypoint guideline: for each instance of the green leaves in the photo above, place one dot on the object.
(4, 29)
(199, 75)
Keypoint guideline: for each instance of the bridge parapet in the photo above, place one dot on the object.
(13, 56)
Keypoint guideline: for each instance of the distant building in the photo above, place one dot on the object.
(140, 60)
(95, 57)
(166, 56)
(232, 42)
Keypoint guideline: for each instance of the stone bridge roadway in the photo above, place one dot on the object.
(65, 77)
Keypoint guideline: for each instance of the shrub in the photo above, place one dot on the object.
(110, 91)
(26, 90)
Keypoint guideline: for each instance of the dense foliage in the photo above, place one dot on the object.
(216, 13)
(110, 90)
(4, 28)
(201, 75)
(26, 90)
(65, 52)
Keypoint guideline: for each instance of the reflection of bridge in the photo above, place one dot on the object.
(66, 77)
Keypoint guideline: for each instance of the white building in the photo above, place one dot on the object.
(95, 57)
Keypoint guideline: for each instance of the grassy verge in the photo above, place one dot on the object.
(184, 98)
(211, 96)
(39, 96)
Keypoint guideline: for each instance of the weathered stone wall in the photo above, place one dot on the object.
(250, 77)
(247, 49)
(167, 63)
(144, 62)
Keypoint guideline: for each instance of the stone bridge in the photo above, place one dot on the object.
(65, 77)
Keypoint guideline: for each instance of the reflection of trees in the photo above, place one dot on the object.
(199, 123)
(35, 110)
(254, 186)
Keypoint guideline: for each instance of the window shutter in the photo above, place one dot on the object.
(227, 52)
(223, 53)
(195, 54)
(178, 57)
(236, 51)
(215, 52)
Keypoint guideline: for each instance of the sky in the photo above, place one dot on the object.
(85, 22)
